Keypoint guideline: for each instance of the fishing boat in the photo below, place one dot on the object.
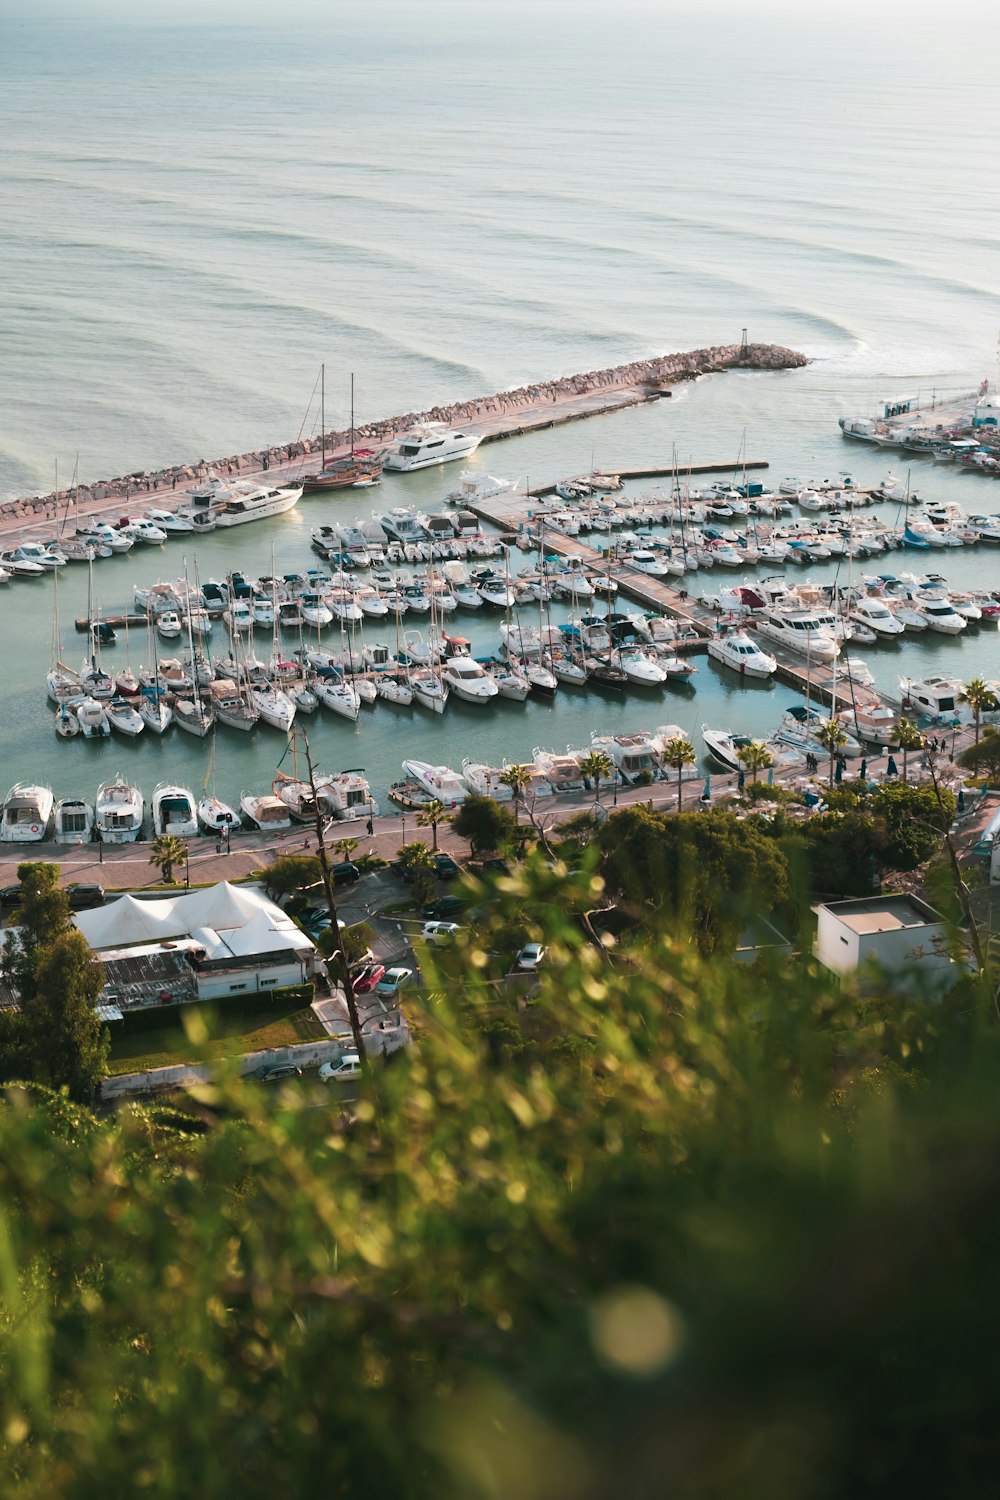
(174, 811)
(118, 811)
(72, 822)
(26, 812)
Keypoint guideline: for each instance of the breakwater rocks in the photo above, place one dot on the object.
(623, 384)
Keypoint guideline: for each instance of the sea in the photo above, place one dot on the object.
(448, 199)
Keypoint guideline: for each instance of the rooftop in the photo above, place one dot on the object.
(883, 913)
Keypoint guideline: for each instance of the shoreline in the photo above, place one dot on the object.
(503, 414)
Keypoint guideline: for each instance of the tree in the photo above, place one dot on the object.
(678, 753)
(755, 757)
(486, 824)
(915, 820)
(292, 872)
(43, 917)
(980, 697)
(597, 766)
(518, 778)
(908, 737)
(833, 737)
(67, 1042)
(430, 815)
(345, 848)
(983, 759)
(416, 864)
(168, 850)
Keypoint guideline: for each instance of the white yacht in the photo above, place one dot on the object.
(484, 781)
(430, 444)
(808, 632)
(92, 717)
(274, 705)
(873, 722)
(174, 811)
(937, 697)
(800, 727)
(265, 812)
(341, 697)
(468, 681)
(742, 654)
(169, 521)
(26, 813)
(347, 794)
(725, 748)
(429, 689)
(216, 816)
(877, 616)
(73, 822)
(439, 781)
(154, 712)
(641, 669)
(249, 502)
(122, 716)
(942, 616)
(118, 811)
(561, 771)
(634, 755)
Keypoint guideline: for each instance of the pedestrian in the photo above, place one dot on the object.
(371, 827)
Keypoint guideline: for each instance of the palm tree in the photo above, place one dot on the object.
(832, 736)
(430, 815)
(597, 766)
(979, 696)
(346, 847)
(168, 850)
(679, 753)
(518, 778)
(416, 863)
(756, 757)
(908, 737)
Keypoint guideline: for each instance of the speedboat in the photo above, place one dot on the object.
(431, 443)
(942, 616)
(123, 717)
(725, 748)
(92, 716)
(67, 723)
(73, 821)
(742, 654)
(169, 520)
(439, 781)
(267, 812)
(641, 669)
(877, 616)
(937, 697)
(468, 681)
(45, 558)
(216, 816)
(26, 813)
(174, 811)
(118, 811)
(141, 530)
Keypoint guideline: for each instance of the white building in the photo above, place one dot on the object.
(898, 936)
(203, 945)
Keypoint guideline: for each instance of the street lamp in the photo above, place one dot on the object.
(187, 866)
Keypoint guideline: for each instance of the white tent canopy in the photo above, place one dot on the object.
(245, 919)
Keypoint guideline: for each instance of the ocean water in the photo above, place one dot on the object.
(451, 198)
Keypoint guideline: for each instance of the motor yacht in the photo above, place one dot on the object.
(266, 811)
(431, 443)
(26, 813)
(118, 811)
(141, 530)
(174, 811)
(468, 681)
(561, 771)
(634, 755)
(124, 717)
(807, 632)
(877, 616)
(92, 717)
(800, 726)
(73, 821)
(641, 669)
(232, 707)
(942, 616)
(401, 525)
(725, 748)
(936, 697)
(169, 521)
(247, 502)
(873, 722)
(440, 781)
(347, 794)
(46, 558)
(740, 652)
(484, 781)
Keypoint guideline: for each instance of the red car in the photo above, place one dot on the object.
(368, 978)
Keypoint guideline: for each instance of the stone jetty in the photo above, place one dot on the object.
(501, 414)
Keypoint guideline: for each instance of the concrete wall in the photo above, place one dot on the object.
(844, 951)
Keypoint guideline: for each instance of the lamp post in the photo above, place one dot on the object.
(187, 866)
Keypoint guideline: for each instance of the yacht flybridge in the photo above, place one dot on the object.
(430, 444)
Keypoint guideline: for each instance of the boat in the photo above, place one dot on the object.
(800, 726)
(439, 781)
(429, 444)
(942, 616)
(510, 683)
(337, 695)
(66, 722)
(169, 521)
(640, 669)
(356, 470)
(807, 632)
(138, 529)
(231, 707)
(266, 811)
(873, 722)
(168, 623)
(393, 688)
(467, 680)
(274, 706)
(92, 717)
(123, 717)
(194, 715)
(876, 616)
(347, 794)
(561, 771)
(740, 652)
(935, 697)
(725, 747)
(118, 811)
(634, 755)
(216, 816)
(428, 688)
(484, 781)
(73, 821)
(248, 502)
(174, 811)
(45, 558)
(26, 812)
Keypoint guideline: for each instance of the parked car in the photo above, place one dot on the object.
(440, 932)
(348, 1066)
(10, 895)
(368, 978)
(392, 981)
(82, 896)
(496, 867)
(445, 868)
(274, 1072)
(344, 873)
(530, 956)
(445, 906)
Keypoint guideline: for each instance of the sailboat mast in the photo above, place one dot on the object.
(352, 414)
(322, 418)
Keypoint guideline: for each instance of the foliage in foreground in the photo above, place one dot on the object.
(670, 1226)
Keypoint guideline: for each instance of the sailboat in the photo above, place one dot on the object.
(214, 815)
(154, 712)
(193, 714)
(357, 470)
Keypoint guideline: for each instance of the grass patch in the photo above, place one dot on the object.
(232, 1031)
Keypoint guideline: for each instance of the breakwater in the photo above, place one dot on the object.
(502, 414)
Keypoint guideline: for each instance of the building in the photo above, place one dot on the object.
(203, 945)
(898, 936)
